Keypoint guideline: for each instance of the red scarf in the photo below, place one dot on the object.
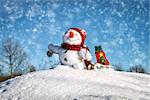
(71, 47)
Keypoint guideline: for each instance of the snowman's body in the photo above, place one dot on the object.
(72, 57)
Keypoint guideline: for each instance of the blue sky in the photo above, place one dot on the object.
(121, 27)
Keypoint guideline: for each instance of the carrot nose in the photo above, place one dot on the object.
(71, 34)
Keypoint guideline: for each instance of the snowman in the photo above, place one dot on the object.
(72, 51)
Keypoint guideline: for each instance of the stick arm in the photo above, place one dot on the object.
(54, 48)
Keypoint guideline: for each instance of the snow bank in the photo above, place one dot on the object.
(71, 84)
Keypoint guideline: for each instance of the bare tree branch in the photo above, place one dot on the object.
(12, 55)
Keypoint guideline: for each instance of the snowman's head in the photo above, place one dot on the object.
(74, 36)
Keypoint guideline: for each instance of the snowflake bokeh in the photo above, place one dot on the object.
(121, 27)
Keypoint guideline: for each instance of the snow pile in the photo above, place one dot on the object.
(71, 84)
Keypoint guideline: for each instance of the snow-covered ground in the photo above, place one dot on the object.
(71, 84)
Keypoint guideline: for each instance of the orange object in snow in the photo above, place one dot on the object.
(100, 56)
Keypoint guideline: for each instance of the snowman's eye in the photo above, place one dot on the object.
(75, 34)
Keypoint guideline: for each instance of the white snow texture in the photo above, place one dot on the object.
(70, 84)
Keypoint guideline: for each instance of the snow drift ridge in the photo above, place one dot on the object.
(70, 84)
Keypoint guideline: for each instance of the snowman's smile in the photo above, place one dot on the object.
(72, 40)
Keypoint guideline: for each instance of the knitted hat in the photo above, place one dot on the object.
(82, 33)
